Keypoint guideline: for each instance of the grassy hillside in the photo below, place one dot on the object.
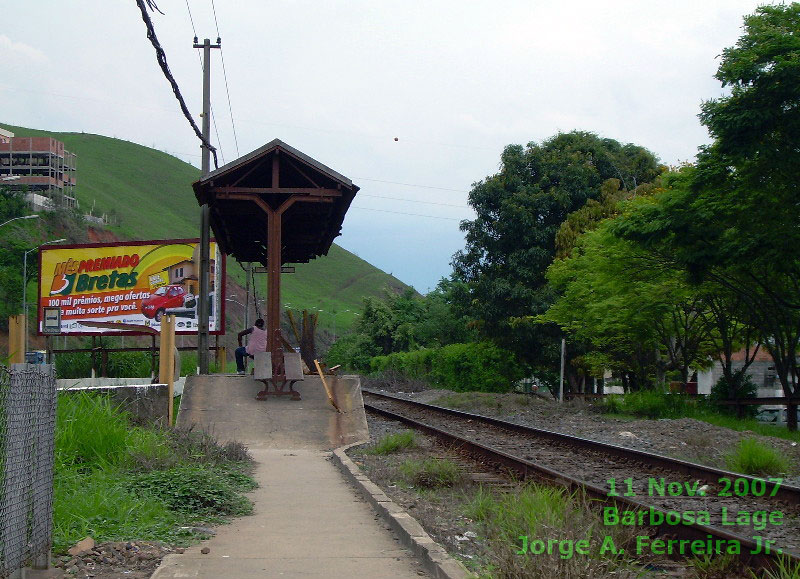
(150, 193)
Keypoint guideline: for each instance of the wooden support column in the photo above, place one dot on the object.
(274, 219)
(274, 261)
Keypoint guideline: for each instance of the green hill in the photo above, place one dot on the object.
(149, 193)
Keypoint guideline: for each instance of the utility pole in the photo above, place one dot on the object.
(205, 211)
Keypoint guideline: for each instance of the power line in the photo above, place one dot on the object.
(225, 78)
(189, 10)
(161, 57)
(412, 200)
(411, 185)
(404, 213)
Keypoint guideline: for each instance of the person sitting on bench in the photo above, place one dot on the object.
(256, 343)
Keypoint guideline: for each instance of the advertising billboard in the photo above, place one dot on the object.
(135, 283)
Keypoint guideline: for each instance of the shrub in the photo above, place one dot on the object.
(480, 366)
(752, 457)
(650, 404)
(738, 387)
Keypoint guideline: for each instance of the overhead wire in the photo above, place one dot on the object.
(161, 57)
(225, 78)
(406, 200)
(404, 213)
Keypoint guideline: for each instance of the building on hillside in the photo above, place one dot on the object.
(39, 165)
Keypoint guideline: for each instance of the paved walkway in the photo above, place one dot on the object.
(308, 521)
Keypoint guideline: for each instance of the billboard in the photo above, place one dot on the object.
(99, 285)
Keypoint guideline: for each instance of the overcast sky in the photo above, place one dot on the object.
(414, 101)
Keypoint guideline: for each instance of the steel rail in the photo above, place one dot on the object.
(788, 493)
(526, 469)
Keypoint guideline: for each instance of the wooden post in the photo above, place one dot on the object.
(274, 290)
(166, 360)
(222, 359)
(16, 339)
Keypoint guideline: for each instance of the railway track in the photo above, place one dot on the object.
(684, 500)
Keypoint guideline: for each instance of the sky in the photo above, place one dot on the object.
(414, 101)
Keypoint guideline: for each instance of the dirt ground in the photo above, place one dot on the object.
(685, 438)
(442, 511)
(113, 560)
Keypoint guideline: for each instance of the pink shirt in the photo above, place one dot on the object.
(257, 341)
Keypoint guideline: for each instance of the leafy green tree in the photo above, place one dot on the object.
(736, 224)
(511, 242)
(12, 204)
(638, 314)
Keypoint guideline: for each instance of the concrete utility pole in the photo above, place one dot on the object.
(202, 303)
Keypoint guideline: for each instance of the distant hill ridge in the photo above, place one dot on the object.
(149, 193)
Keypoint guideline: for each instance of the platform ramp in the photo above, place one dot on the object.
(225, 406)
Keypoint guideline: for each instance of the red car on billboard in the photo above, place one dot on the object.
(164, 298)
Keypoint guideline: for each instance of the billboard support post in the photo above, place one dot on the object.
(16, 339)
(166, 360)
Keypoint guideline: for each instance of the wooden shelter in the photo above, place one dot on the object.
(275, 205)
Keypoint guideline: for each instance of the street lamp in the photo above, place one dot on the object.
(25, 284)
(31, 216)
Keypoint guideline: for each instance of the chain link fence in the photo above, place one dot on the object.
(27, 434)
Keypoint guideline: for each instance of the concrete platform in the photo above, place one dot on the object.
(308, 520)
(226, 407)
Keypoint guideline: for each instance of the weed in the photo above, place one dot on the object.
(752, 457)
(539, 513)
(92, 432)
(116, 482)
(715, 566)
(432, 473)
(102, 505)
(394, 442)
(197, 490)
(784, 569)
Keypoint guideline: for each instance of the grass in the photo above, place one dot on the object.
(111, 170)
(752, 457)
(115, 481)
(394, 442)
(784, 569)
(654, 404)
(432, 473)
(715, 566)
(541, 513)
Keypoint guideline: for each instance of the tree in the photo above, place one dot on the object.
(511, 242)
(736, 223)
(638, 314)
(12, 204)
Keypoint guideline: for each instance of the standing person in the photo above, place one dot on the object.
(256, 343)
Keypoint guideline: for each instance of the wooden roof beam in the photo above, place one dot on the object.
(310, 191)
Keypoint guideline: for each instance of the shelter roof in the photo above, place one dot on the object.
(241, 192)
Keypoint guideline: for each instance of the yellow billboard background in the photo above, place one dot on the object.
(128, 284)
